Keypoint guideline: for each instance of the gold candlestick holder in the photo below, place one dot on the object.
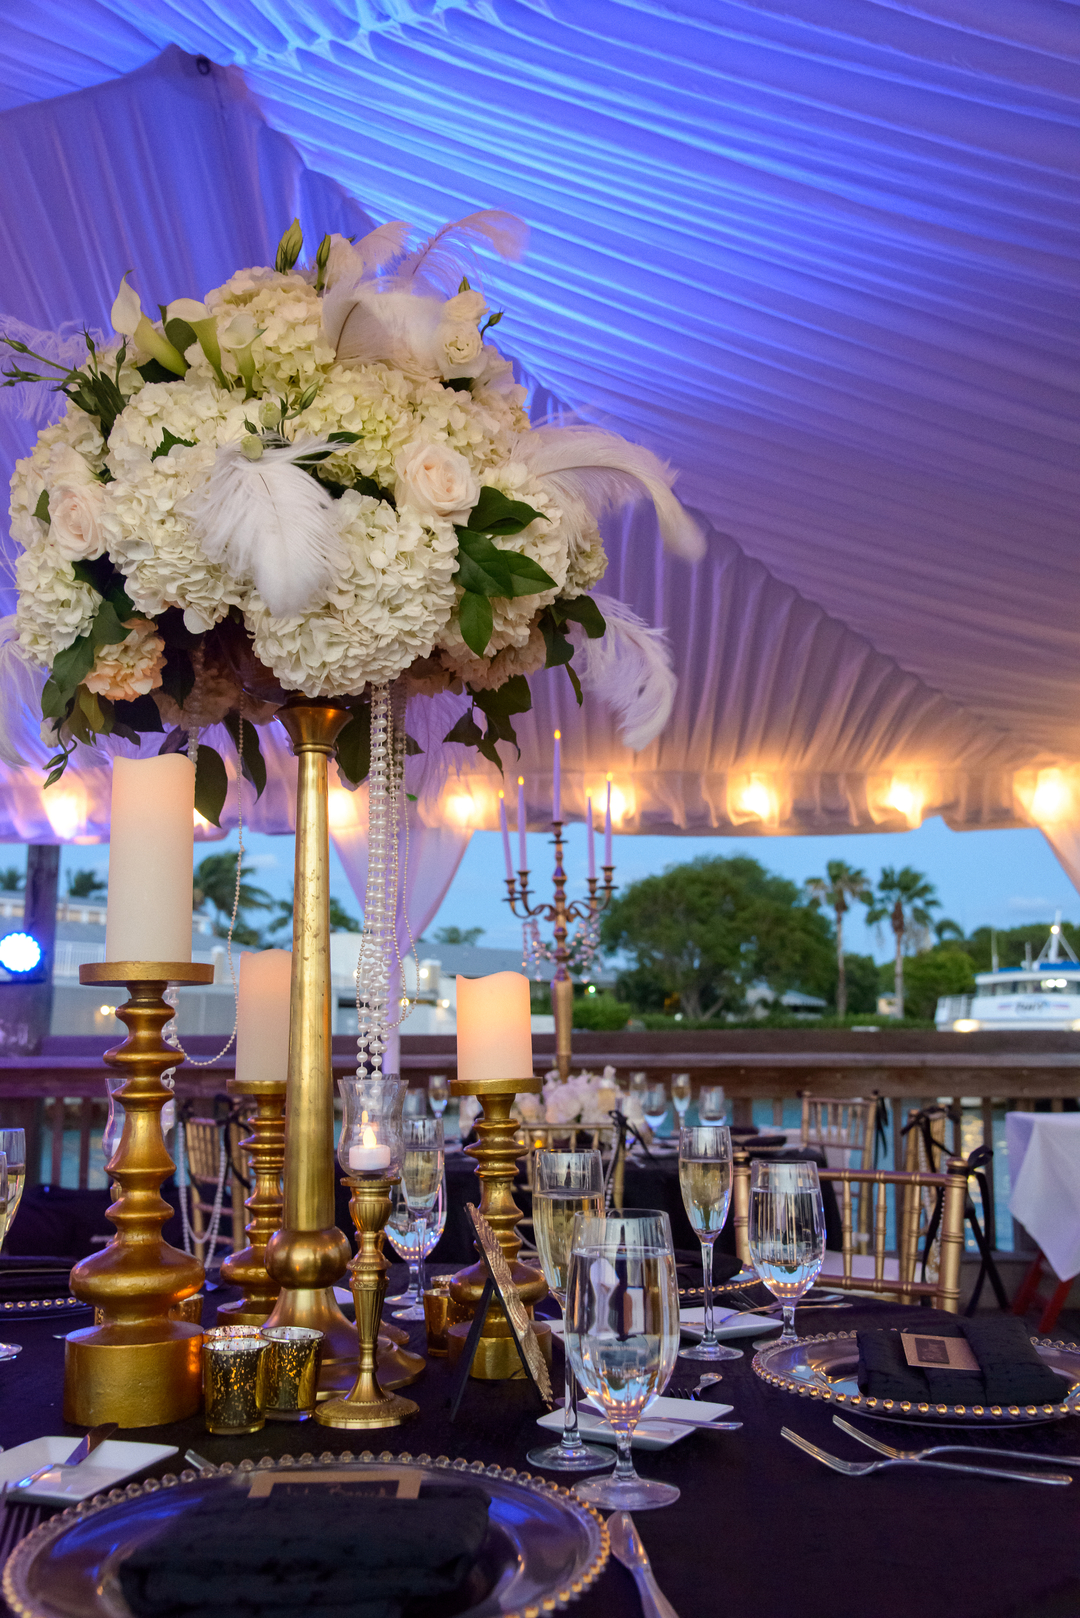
(497, 1358)
(266, 1155)
(135, 1365)
(368, 1405)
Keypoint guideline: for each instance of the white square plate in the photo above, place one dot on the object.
(726, 1323)
(110, 1464)
(651, 1433)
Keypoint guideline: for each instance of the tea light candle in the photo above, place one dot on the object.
(151, 856)
(262, 1015)
(504, 828)
(523, 856)
(370, 1155)
(494, 1027)
(557, 784)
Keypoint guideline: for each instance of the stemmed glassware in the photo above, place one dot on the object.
(705, 1183)
(564, 1185)
(712, 1104)
(654, 1104)
(421, 1180)
(13, 1146)
(680, 1095)
(787, 1232)
(622, 1335)
(438, 1093)
(9, 1201)
(413, 1245)
(415, 1105)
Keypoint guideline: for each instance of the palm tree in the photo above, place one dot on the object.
(840, 885)
(215, 884)
(906, 898)
(340, 919)
(12, 879)
(84, 884)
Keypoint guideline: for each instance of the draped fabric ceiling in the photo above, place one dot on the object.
(821, 255)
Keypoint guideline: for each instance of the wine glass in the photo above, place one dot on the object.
(680, 1095)
(565, 1184)
(705, 1183)
(421, 1179)
(415, 1103)
(712, 1104)
(404, 1236)
(787, 1232)
(13, 1146)
(8, 1203)
(622, 1335)
(654, 1104)
(438, 1093)
(638, 1084)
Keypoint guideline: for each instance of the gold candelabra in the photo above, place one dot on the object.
(367, 1404)
(265, 1146)
(561, 913)
(135, 1365)
(309, 1254)
(496, 1154)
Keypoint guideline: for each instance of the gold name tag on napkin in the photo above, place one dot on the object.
(385, 1482)
(938, 1353)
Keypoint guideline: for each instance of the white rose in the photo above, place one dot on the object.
(466, 307)
(75, 520)
(457, 345)
(435, 481)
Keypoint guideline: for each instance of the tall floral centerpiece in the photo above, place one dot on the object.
(314, 493)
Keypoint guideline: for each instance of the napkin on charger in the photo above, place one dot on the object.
(1011, 1372)
(318, 1549)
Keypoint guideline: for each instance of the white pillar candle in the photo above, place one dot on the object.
(494, 1027)
(151, 855)
(262, 1015)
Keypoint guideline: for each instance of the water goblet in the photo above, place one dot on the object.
(421, 1179)
(564, 1185)
(654, 1104)
(438, 1093)
(413, 1245)
(680, 1095)
(415, 1105)
(786, 1232)
(712, 1104)
(622, 1335)
(705, 1183)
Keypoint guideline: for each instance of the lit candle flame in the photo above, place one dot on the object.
(370, 1137)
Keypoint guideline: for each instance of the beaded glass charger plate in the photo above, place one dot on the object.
(543, 1546)
(825, 1368)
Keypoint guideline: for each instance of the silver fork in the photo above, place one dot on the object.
(859, 1469)
(951, 1449)
(17, 1522)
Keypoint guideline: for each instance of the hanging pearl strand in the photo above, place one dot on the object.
(380, 905)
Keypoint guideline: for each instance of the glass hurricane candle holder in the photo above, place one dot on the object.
(372, 1140)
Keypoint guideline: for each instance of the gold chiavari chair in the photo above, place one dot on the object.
(844, 1130)
(202, 1144)
(893, 1275)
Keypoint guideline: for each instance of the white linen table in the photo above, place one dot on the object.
(1044, 1165)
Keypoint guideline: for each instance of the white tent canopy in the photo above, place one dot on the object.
(821, 257)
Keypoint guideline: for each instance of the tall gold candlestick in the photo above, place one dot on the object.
(266, 1155)
(309, 1254)
(137, 1367)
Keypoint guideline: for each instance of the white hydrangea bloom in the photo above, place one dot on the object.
(54, 608)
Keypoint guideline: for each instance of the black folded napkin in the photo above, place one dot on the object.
(320, 1548)
(725, 1265)
(22, 1279)
(1011, 1372)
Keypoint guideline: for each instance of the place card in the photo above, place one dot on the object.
(388, 1483)
(933, 1353)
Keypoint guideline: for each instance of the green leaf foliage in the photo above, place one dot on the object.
(154, 371)
(103, 577)
(458, 384)
(495, 513)
(251, 759)
(211, 784)
(179, 333)
(466, 732)
(354, 745)
(476, 621)
(168, 439)
(41, 510)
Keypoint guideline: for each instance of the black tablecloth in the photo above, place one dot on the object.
(761, 1529)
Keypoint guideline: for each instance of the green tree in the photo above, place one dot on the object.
(12, 880)
(601, 1013)
(1011, 943)
(458, 935)
(84, 884)
(930, 975)
(863, 984)
(214, 884)
(707, 930)
(841, 884)
(905, 898)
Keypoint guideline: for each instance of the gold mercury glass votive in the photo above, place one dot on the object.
(437, 1320)
(234, 1383)
(292, 1371)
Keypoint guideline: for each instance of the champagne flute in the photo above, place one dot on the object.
(787, 1232)
(622, 1334)
(8, 1204)
(421, 1178)
(680, 1095)
(13, 1146)
(712, 1104)
(564, 1185)
(404, 1236)
(415, 1105)
(438, 1093)
(654, 1104)
(705, 1183)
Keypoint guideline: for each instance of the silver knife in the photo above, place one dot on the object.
(627, 1547)
(83, 1448)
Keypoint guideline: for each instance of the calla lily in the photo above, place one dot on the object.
(129, 320)
(204, 325)
(236, 339)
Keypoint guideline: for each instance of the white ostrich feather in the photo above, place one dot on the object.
(271, 522)
(586, 468)
(444, 257)
(629, 669)
(21, 684)
(397, 327)
(36, 401)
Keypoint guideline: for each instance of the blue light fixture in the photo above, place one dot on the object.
(20, 953)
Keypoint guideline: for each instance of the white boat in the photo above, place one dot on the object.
(1044, 993)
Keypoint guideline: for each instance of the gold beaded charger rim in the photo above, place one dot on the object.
(815, 1369)
(42, 1541)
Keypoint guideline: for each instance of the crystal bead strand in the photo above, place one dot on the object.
(373, 973)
